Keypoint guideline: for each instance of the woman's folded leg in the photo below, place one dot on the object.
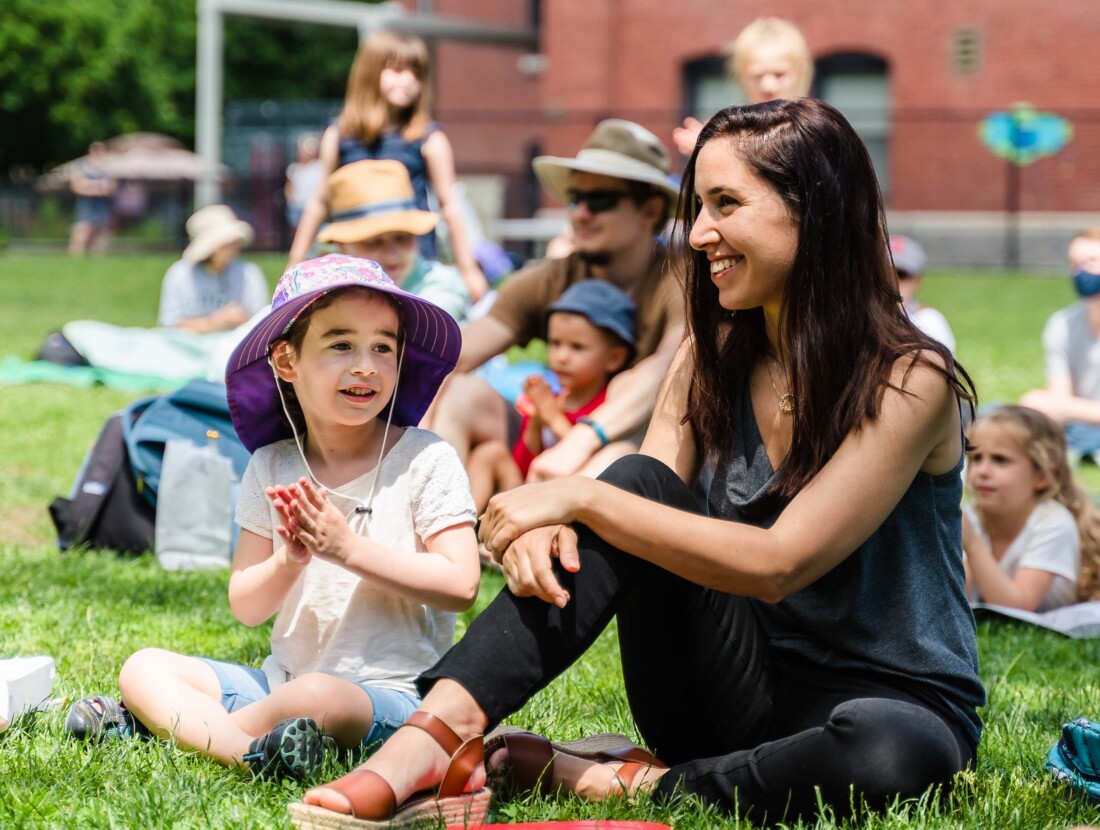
(518, 645)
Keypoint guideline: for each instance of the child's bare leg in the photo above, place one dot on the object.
(178, 696)
(479, 468)
(604, 457)
(341, 708)
(492, 470)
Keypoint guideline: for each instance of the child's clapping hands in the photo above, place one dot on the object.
(311, 524)
(540, 403)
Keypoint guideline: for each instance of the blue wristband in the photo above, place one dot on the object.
(596, 428)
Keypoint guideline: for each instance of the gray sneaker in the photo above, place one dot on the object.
(295, 748)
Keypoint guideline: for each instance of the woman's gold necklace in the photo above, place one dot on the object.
(786, 401)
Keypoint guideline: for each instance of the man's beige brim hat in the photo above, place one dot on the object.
(616, 148)
(213, 227)
(372, 197)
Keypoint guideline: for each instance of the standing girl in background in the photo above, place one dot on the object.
(386, 116)
(1031, 534)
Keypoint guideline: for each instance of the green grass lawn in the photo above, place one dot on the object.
(91, 610)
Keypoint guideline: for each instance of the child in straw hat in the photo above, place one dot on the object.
(374, 215)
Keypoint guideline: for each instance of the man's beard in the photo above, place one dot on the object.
(598, 258)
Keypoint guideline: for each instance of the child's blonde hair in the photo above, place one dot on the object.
(1044, 442)
(778, 31)
(366, 112)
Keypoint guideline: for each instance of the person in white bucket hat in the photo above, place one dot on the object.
(211, 288)
(620, 194)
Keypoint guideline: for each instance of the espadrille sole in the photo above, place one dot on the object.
(471, 809)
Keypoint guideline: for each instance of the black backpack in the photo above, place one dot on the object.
(105, 509)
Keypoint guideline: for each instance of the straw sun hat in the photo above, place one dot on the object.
(616, 148)
(210, 228)
(372, 197)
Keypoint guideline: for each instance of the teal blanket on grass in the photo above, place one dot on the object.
(132, 359)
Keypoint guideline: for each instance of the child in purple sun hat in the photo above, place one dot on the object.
(356, 530)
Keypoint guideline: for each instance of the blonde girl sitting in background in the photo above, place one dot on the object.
(356, 532)
(386, 115)
(1031, 534)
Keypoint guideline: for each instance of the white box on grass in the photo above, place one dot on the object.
(25, 684)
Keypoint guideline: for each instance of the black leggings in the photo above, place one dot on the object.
(762, 736)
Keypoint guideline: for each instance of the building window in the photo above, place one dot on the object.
(856, 84)
(966, 50)
(859, 86)
(707, 88)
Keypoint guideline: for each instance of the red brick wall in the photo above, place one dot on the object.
(625, 58)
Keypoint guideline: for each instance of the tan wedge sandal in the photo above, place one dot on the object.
(530, 765)
(374, 805)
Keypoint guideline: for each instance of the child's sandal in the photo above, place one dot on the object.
(100, 718)
(374, 805)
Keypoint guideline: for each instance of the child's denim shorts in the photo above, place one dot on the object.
(242, 685)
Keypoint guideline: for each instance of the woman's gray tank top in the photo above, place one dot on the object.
(895, 610)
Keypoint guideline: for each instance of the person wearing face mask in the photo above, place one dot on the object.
(1071, 340)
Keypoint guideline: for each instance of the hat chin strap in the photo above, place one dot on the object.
(364, 507)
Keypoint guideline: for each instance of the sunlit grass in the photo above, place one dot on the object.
(91, 610)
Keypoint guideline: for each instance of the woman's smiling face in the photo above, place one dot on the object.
(744, 227)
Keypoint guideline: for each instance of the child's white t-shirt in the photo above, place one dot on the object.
(1049, 542)
(335, 622)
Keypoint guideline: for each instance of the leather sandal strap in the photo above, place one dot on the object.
(531, 760)
(463, 763)
(440, 732)
(633, 753)
(465, 755)
(367, 793)
(627, 774)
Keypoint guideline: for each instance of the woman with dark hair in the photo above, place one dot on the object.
(813, 619)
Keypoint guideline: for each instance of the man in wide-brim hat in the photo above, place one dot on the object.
(620, 194)
(373, 215)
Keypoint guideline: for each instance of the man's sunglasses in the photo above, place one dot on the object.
(598, 201)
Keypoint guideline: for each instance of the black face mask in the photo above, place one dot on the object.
(1086, 283)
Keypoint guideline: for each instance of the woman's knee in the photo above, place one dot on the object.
(645, 476)
(895, 748)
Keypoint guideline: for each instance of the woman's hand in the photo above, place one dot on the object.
(527, 563)
(318, 524)
(511, 514)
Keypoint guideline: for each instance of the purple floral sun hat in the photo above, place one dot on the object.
(432, 342)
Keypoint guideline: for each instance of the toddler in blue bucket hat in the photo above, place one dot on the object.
(590, 337)
(356, 529)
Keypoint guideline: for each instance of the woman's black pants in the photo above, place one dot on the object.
(759, 739)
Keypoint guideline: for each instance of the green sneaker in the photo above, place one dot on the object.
(295, 748)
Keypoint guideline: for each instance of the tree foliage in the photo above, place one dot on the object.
(73, 71)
